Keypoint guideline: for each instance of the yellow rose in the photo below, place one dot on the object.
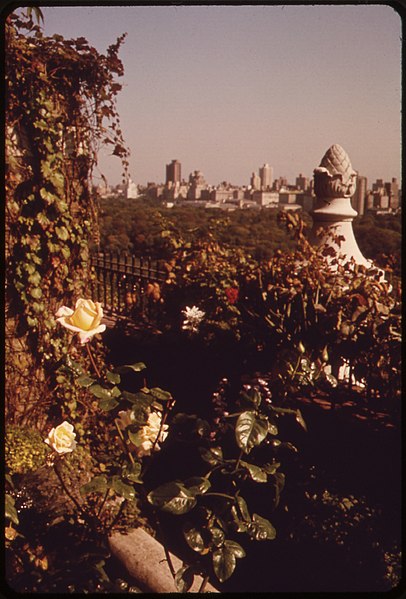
(84, 320)
(62, 438)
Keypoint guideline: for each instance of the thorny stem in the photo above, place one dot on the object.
(68, 493)
(123, 442)
(92, 360)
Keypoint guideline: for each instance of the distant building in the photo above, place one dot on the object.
(266, 174)
(265, 198)
(392, 190)
(255, 181)
(131, 190)
(197, 184)
(302, 183)
(173, 172)
(359, 197)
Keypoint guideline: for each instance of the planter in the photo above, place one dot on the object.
(144, 558)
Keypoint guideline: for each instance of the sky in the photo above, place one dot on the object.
(225, 89)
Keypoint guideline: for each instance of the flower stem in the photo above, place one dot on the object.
(128, 452)
(92, 360)
(203, 585)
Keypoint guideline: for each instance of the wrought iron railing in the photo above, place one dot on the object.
(127, 285)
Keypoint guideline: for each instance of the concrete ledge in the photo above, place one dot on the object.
(144, 558)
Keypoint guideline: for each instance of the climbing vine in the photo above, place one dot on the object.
(60, 110)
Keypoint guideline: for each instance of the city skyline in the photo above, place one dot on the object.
(226, 89)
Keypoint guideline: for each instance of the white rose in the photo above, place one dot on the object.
(62, 438)
(145, 438)
(85, 319)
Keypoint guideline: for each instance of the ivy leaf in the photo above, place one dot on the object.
(160, 394)
(172, 497)
(224, 562)
(121, 488)
(10, 510)
(137, 367)
(261, 529)
(113, 377)
(98, 484)
(85, 381)
(256, 473)
(62, 233)
(132, 472)
(184, 579)
(250, 431)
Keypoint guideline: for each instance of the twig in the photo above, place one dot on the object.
(123, 442)
(203, 585)
(92, 360)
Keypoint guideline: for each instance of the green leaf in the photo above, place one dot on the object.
(108, 404)
(250, 431)
(252, 396)
(100, 392)
(272, 428)
(137, 367)
(193, 537)
(197, 485)
(62, 233)
(300, 420)
(132, 472)
(160, 394)
(84, 380)
(121, 488)
(36, 292)
(217, 536)
(98, 484)
(261, 529)
(224, 562)
(138, 398)
(113, 377)
(10, 510)
(184, 579)
(256, 473)
(211, 455)
(172, 497)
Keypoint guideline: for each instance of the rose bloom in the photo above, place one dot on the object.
(125, 418)
(62, 438)
(232, 294)
(145, 438)
(84, 319)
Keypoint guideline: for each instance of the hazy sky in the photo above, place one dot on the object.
(225, 89)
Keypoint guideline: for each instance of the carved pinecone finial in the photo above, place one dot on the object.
(335, 176)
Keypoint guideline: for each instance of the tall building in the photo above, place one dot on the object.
(302, 183)
(173, 172)
(392, 190)
(255, 181)
(358, 199)
(266, 176)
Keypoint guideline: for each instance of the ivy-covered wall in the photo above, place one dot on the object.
(60, 108)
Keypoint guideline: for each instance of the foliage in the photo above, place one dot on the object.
(59, 95)
(24, 449)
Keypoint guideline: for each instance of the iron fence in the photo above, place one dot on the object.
(127, 285)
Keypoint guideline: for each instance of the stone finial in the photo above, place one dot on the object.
(335, 177)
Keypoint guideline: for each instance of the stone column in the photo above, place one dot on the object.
(334, 184)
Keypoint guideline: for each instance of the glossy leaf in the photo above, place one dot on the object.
(85, 381)
(257, 474)
(300, 420)
(121, 488)
(132, 472)
(211, 455)
(217, 536)
(261, 529)
(197, 485)
(172, 497)
(224, 562)
(137, 367)
(193, 538)
(184, 579)
(160, 394)
(10, 509)
(250, 431)
(235, 548)
(107, 404)
(113, 377)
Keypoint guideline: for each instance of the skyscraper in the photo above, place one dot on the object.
(173, 172)
(266, 176)
(358, 199)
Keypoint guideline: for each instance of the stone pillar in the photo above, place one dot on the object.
(334, 184)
